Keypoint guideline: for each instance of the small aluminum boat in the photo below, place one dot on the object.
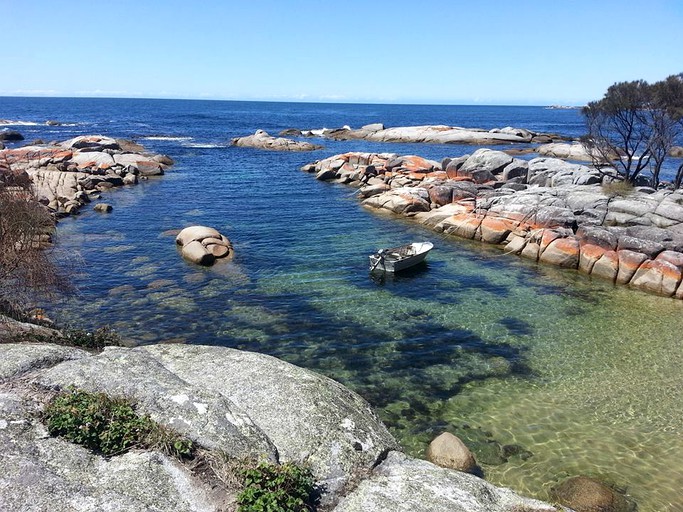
(400, 258)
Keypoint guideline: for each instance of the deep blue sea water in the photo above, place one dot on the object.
(582, 374)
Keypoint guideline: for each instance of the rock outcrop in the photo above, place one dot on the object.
(261, 140)
(203, 245)
(65, 174)
(568, 151)
(10, 135)
(243, 403)
(403, 484)
(103, 208)
(544, 209)
(433, 134)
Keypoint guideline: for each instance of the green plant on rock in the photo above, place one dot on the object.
(96, 339)
(109, 426)
(168, 441)
(101, 337)
(276, 488)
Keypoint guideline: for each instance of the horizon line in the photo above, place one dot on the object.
(300, 100)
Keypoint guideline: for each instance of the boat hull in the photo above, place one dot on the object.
(400, 258)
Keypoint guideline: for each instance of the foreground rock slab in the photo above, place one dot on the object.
(309, 418)
(245, 404)
(40, 473)
(261, 140)
(403, 484)
(240, 402)
(209, 418)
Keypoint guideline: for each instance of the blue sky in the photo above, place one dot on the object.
(442, 52)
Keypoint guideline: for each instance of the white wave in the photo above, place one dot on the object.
(163, 137)
(7, 122)
(204, 145)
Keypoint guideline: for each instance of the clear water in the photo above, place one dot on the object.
(583, 375)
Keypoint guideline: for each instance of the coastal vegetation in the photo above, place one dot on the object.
(27, 268)
(110, 426)
(277, 488)
(633, 128)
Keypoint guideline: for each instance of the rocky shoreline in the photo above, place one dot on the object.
(67, 175)
(433, 134)
(544, 209)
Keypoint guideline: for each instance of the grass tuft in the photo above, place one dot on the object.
(618, 188)
(109, 426)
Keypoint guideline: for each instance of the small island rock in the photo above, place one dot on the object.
(203, 245)
(11, 135)
(103, 208)
(262, 140)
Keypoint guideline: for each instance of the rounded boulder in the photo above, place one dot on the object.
(448, 451)
(203, 245)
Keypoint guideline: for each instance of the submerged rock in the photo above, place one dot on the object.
(584, 494)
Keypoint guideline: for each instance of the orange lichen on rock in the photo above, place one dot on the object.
(563, 252)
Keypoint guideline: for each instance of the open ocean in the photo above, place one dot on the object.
(582, 375)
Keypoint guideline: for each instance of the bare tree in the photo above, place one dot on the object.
(27, 271)
(618, 131)
(635, 125)
(666, 117)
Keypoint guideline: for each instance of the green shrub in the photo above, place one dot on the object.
(102, 337)
(276, 488)
(109, 426)
(93, 340)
